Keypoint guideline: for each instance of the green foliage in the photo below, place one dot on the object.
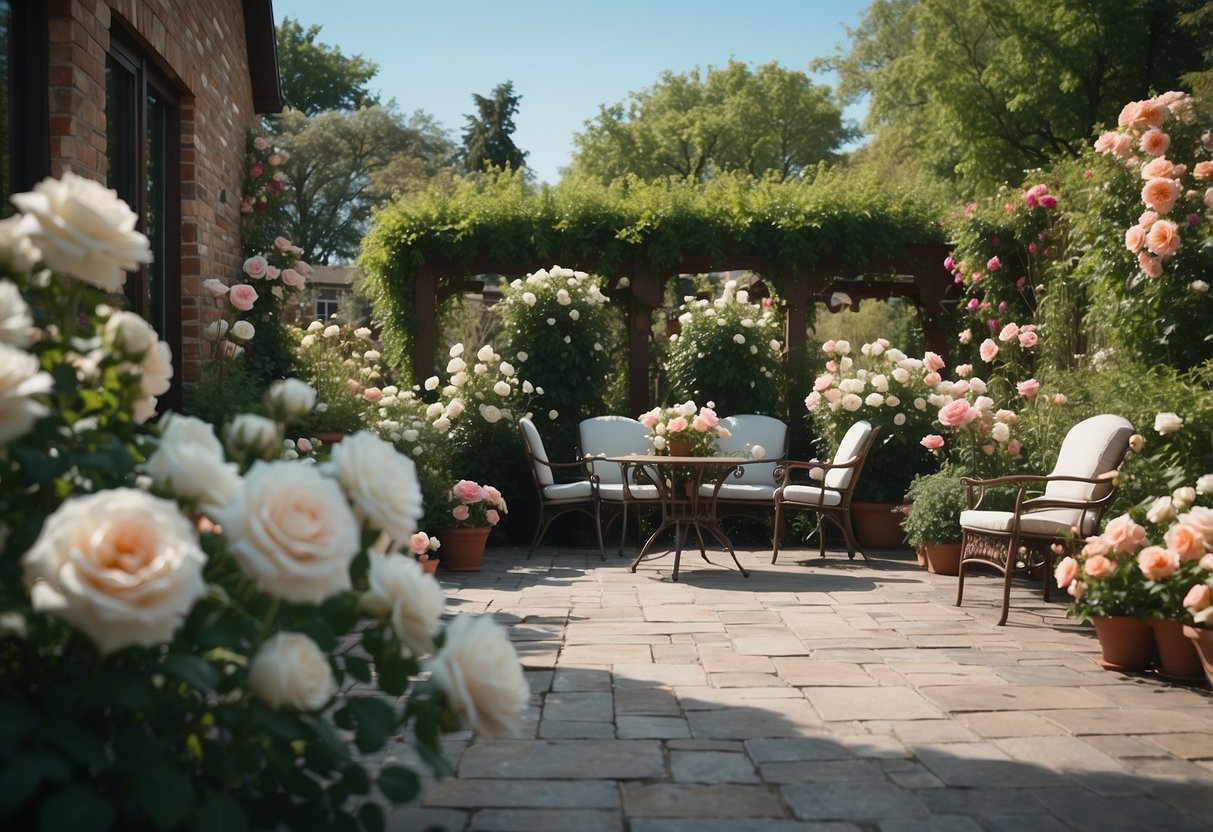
(769, 120)
(316, 77)
(488, 139)
(341, 364)
(936, 503)
(894, 319)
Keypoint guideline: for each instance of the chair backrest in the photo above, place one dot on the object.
(612, 436)
(533, 444)
(854, 445)
(749, 429)
(1093, 447)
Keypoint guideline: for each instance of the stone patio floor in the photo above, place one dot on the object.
(827, 695)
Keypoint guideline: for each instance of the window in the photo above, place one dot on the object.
(142, 126)
(326, 304)
(24, 119)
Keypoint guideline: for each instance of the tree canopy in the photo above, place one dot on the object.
(487, 140)
(316, 77)
(698, 124)
(984, 89)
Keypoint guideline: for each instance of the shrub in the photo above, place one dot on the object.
(936, 503)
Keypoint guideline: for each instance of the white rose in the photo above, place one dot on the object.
(485, 353)
(1001, 432)
(562, 297)
(529, 298)
(1136, 443)
(459, 379)
(574, 314)
(899, 419)
(399, 590)
(738, 338)
(478, 670)
(21, 378)
(121, 566)
(291, 673)
(501, 388)
(15, 320)
(455, 409)
(851, 402)
(455, 365)
(189, 464)
(363, 333)
(250, 434)
(490, 413)
(292, 531)
(1199, 286)
(1162, 510)
(156, 369)
(216, 329)
(1204, 485)
(314, 327)
(553, 415)
(331, 331)
(17, 251)
(1166, 423)
(291, 398)
(920, 403)
(243, 330)
(434, 410)
(1183, 497)
(455, 351)
(442, 424)
(217, 288)
(758, 452)
(874, 400)
(380, 482)
(481, 369)
(84, 230)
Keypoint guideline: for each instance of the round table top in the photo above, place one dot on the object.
(664, 459)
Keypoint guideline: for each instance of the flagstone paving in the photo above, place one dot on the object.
(824, 695)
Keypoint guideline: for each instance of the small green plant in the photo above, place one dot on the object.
(936, 503)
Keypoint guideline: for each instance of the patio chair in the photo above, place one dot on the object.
(832, 499)
(602, 436)
(577, 493)
(754, 485)
(1074, 497)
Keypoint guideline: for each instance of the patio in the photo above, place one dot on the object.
(827, 695)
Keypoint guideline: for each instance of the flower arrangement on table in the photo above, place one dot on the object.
(1164, 571)
(686, 428)
(196, 629)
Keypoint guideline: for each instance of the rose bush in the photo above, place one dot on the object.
(202, 633)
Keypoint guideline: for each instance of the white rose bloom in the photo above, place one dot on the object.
(527, 387)
(758, 452)
(17, 251)
(431, 383)
(1199, 286)
(1204, 485)
(314, 327)
(459, 379)
(442, 424)
(454, 409)
(574, 314)
(1166, 423)
(372, 355)
(842, 347)
(83, 230)
(901, 375)
(291, 673)
(434, 410)
(920, 403)
(553, 415)
(880, 383)
(455, 365)
(490, 413)
(899, 419)
(399, 590)
(753, 349)
(486, 354)
(892, 401)
(121, 566)
(380, 482)
(249, 433)
(481, 369)
(775, 345)
(189, 464)
(331, 331)
(983, 403)
(292, 531)
(851, 402)
(410, 435)
(291, 398)
(20, 380)
(307, 342)
(894, 355)
(1161, 510)
(501, 388)
(15, 320)
(478, 670)
(1001, 432)
(363, 333)
(978, 386)
(129, 337)
(506, 368)
(874, 400)
(738, 338)
(1183, 497)
(243, 330)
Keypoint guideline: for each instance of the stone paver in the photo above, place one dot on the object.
(816, 696)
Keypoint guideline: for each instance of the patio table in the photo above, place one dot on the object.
(685, 503)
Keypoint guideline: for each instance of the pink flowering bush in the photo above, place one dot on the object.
(469, 504)
(698, 426)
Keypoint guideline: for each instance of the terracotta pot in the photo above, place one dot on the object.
(878, 525)
(679, 447)
(329, 437)
(1177, 656)
(1202, 641)
(1126, 642)
(463, 549)
(430, 565)
(921, 554)
(943, 558)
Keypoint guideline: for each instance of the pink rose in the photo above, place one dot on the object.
(272, 272)
(242, 296)
(932, 362)
(492, 516)
(468, 491)
(1198, 598)
(723, 433)
(303, 268)
(1028, 339)
(1152, 266)
(492, 495)
(932, 442)
(812, 400)
(832, 365)
(994, 264)
(1203, 170)
(1066, 571)
(1096, 545)
(461, 513)
(1163, 238)
(1160, 194)
(1098, 566)
(1135, 238)
(419, 542)
(1123, 535)
(709, 416)
(372, 394)
(1013, 447)
(823, 381)
(1009, 332)
(676, 425)
(828, 346)
(1157, 563)
(960, 388)
(1186, 541)
(293, 279)
(1156, 168)
(932, 379)
(261, 143)
(283, 244)
(700, 424)
(255, 267)
(1028, 388)
(255, 171)
(649, 420)
(988, 350)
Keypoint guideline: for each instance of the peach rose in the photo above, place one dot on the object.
(1185, 541)
(1155, 142)
(1135, 238)
(1160, 194)
(1066, 571)
(1156, 168)
(1096, 545)
(1163, 238)
(1150, 113)
(1123, 535)
(1098, 566)
(242, 296)
(1198, 598)
(291, 673)
(1203, 170)
(1152, 266)
(1009, 332)
(1157, 563)
(1200, 518)
(293, 278)
(677, 424)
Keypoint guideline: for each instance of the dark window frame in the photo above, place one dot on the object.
(28, 105)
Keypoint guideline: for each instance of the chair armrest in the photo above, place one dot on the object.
(816, 468)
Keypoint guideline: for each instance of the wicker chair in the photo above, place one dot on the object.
(1074, 497)
(616, 436)
(832, 499)
(578, 494)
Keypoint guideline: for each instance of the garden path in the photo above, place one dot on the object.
(833, 696)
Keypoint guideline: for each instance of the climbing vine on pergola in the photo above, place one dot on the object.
(807, 238)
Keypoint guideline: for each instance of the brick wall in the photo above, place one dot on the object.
(200, 48)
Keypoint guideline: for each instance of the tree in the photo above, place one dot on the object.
(981, 90)
(316, 77)
(486, 141)
(697, 124)
(342, 164)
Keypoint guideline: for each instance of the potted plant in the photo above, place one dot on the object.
(685, 429)
(933, 522)
(425, 548)
(473, 510)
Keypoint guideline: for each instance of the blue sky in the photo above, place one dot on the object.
(565, 58)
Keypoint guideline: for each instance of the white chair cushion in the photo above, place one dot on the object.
(612, 436)
(848, 449)
(568, 491)
(1092, 447)
(811, 495)
(612, 492)
(530, 435)
(1054, 522)
(740, 491)
(749, 429)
